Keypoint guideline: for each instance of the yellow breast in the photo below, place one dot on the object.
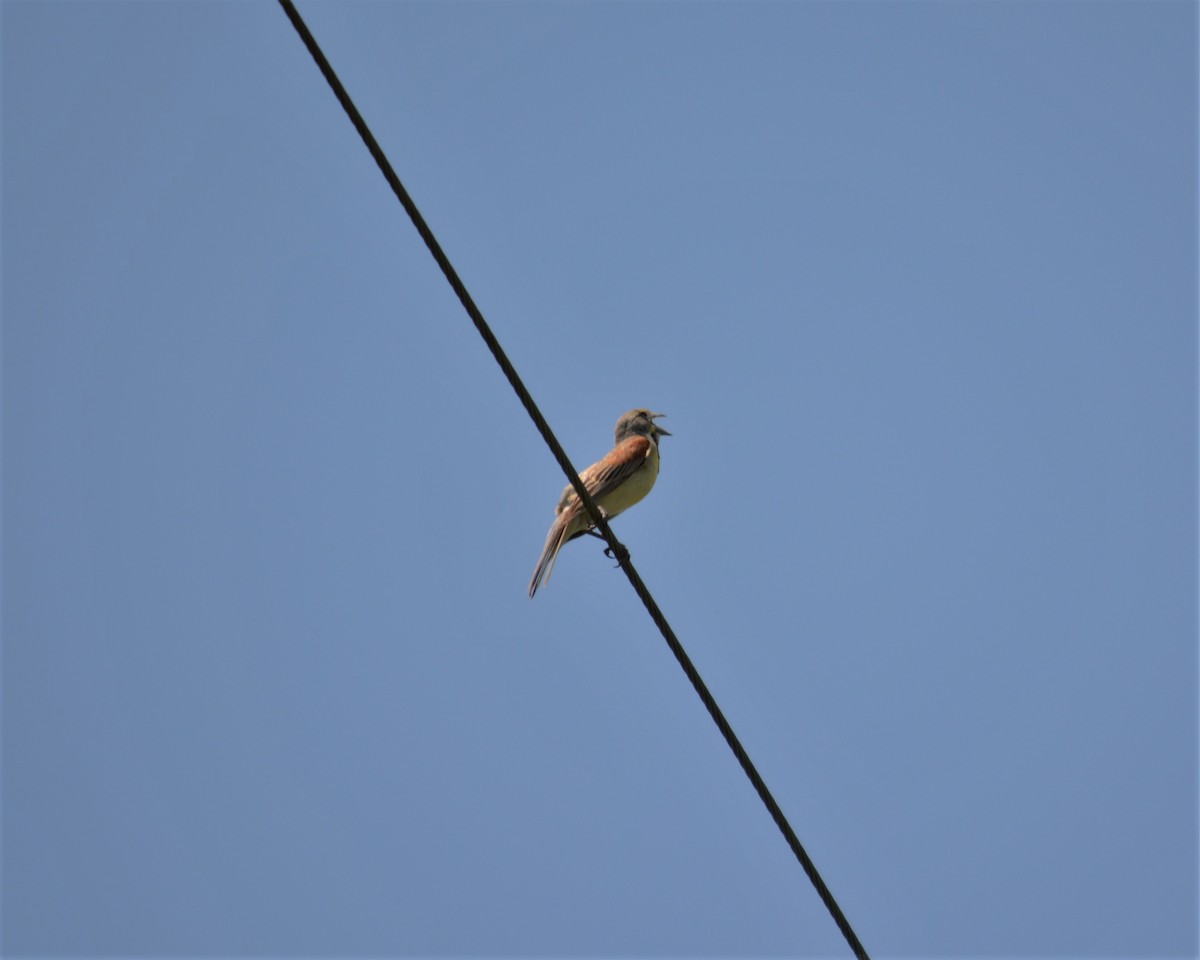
(633, 489)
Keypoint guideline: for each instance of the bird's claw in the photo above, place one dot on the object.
(619, 553)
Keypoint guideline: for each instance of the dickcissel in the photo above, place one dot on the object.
(615, 483)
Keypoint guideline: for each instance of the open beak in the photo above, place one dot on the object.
(662, 431)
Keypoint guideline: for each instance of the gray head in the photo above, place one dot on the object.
(640, 423)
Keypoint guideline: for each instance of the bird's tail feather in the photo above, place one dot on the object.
(554, 542)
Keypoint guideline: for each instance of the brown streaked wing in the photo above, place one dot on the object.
(605, 475)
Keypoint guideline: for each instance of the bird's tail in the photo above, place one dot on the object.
(554, 542)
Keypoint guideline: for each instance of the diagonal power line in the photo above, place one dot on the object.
(618, 550)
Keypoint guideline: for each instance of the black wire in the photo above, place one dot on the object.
(619, 551)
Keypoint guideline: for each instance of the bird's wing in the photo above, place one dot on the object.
(605, 475)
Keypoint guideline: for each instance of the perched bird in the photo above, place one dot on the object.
(615, 483)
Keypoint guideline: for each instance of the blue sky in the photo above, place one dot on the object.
(916, 286)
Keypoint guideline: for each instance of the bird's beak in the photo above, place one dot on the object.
(662, 431)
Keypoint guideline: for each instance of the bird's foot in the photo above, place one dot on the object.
(618, 553)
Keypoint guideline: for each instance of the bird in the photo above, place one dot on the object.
(616, 482)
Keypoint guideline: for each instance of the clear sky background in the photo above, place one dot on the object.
(916, 286)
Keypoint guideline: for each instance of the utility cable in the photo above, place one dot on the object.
(619, 552)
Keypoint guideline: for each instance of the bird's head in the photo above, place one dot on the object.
(640, 423)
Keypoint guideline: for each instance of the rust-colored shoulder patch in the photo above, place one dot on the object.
(634, 448)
